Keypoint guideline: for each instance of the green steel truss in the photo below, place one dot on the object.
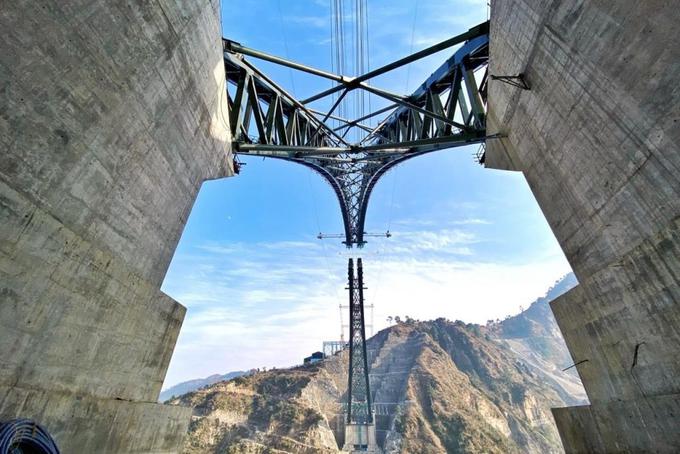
(446, 111)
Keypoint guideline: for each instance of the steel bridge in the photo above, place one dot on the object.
(446, 111)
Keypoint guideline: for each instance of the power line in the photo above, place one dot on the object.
(285, 46)
(413, 31)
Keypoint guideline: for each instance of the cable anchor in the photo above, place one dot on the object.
(518, 81)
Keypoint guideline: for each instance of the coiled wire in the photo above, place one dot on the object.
(25, 436)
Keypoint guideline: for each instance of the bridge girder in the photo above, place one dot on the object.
(446, 111)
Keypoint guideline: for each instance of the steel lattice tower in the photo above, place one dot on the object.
(359, 410)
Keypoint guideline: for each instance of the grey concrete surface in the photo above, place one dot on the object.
(598, 139)
(86, 424)
(112, 114)
(632, 426)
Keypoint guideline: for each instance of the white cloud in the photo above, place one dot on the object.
(271, 303)
(471, 221)
(470, 291)
(415, 243)
(310, 21)
(415, 223)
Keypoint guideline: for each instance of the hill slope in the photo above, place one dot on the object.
(533, 335)
(438, 386)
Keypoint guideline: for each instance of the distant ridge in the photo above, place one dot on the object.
(192, 385)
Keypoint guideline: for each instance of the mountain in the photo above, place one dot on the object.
(282, 411)
(538, 319)
(192, 385)
(534, 336)
(438, 386)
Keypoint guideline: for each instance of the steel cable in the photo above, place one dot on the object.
(25, 436)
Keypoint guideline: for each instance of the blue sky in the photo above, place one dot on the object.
(468, 243)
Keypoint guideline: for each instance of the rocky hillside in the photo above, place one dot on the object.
(278, 411)
(438, 386)
(533, 335)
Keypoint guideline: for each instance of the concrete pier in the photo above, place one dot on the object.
(360, 438)
(110, 119)
(597, 137)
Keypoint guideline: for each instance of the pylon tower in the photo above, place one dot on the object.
(360, 426)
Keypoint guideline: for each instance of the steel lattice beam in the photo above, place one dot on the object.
(446, 111)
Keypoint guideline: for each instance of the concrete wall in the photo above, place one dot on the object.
(110, 119)
(598, 139)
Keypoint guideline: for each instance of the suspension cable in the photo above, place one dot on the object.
(285, 46)
(413, 30)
